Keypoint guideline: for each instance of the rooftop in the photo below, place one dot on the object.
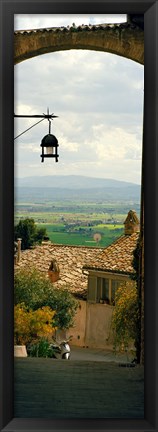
(117, 257)
(70, 260)
(79, 28)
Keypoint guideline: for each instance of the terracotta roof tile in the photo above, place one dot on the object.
(83, 27)
(116, 257)
(70, 260)
(73, 259)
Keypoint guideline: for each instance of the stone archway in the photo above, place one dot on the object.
(126, 40)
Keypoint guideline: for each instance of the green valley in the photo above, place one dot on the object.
(89, 216)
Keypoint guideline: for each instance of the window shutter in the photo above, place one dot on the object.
(92, 289)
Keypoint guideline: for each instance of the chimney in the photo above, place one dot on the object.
(53, 271)
(131, 223)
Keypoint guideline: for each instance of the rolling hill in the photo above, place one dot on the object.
(57, 188)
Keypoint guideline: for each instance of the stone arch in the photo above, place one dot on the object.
(126, 40)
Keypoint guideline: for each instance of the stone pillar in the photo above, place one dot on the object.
(19, 250)
(142, 306)
(141, 267)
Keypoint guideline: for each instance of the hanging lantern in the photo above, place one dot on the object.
(49, 146)
(49, 142)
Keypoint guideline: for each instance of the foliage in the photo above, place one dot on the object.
(136, 277)
(30, 288)
(40, 348)
(135, 261)
(65, 306)
(125, 316)
(31, 325)
(35, 291)
(126, 320)
(27, 230)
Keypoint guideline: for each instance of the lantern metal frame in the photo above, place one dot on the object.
(48, 141)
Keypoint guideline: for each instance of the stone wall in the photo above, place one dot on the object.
(92, 326)
(98, 325)
(125, 39)
(79, 330)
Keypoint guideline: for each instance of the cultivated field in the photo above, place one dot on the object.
(81, 223)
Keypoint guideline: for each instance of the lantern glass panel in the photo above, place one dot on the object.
(49, 150)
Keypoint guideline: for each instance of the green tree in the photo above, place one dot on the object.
(136, 277)
(27, 230)
(126, 319)
(135, 261)
(65, 306)
(36, 291)
(40, 234)
(125, 316)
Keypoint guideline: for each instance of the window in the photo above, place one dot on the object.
(102, 290)
(92, 289)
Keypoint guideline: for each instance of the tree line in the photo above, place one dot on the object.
(27, 230)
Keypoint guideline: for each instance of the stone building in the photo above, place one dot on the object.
(92, 275)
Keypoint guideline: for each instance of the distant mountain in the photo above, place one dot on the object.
(75, 188)
(73, 182)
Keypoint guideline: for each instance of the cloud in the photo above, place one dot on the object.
(115, 144)
(98, 98)
(30, 21)
(68, 145)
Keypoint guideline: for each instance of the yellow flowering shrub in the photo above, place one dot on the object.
(125, 316)
(35, 290)
(31, 325)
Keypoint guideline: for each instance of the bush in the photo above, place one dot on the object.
(40, 349)
(35, 291)
(65, 306)
(21, 325)
(30, 288)
(125, 316)
(31, 325)
(137, 277)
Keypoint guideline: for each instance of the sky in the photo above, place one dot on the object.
(99, 100)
